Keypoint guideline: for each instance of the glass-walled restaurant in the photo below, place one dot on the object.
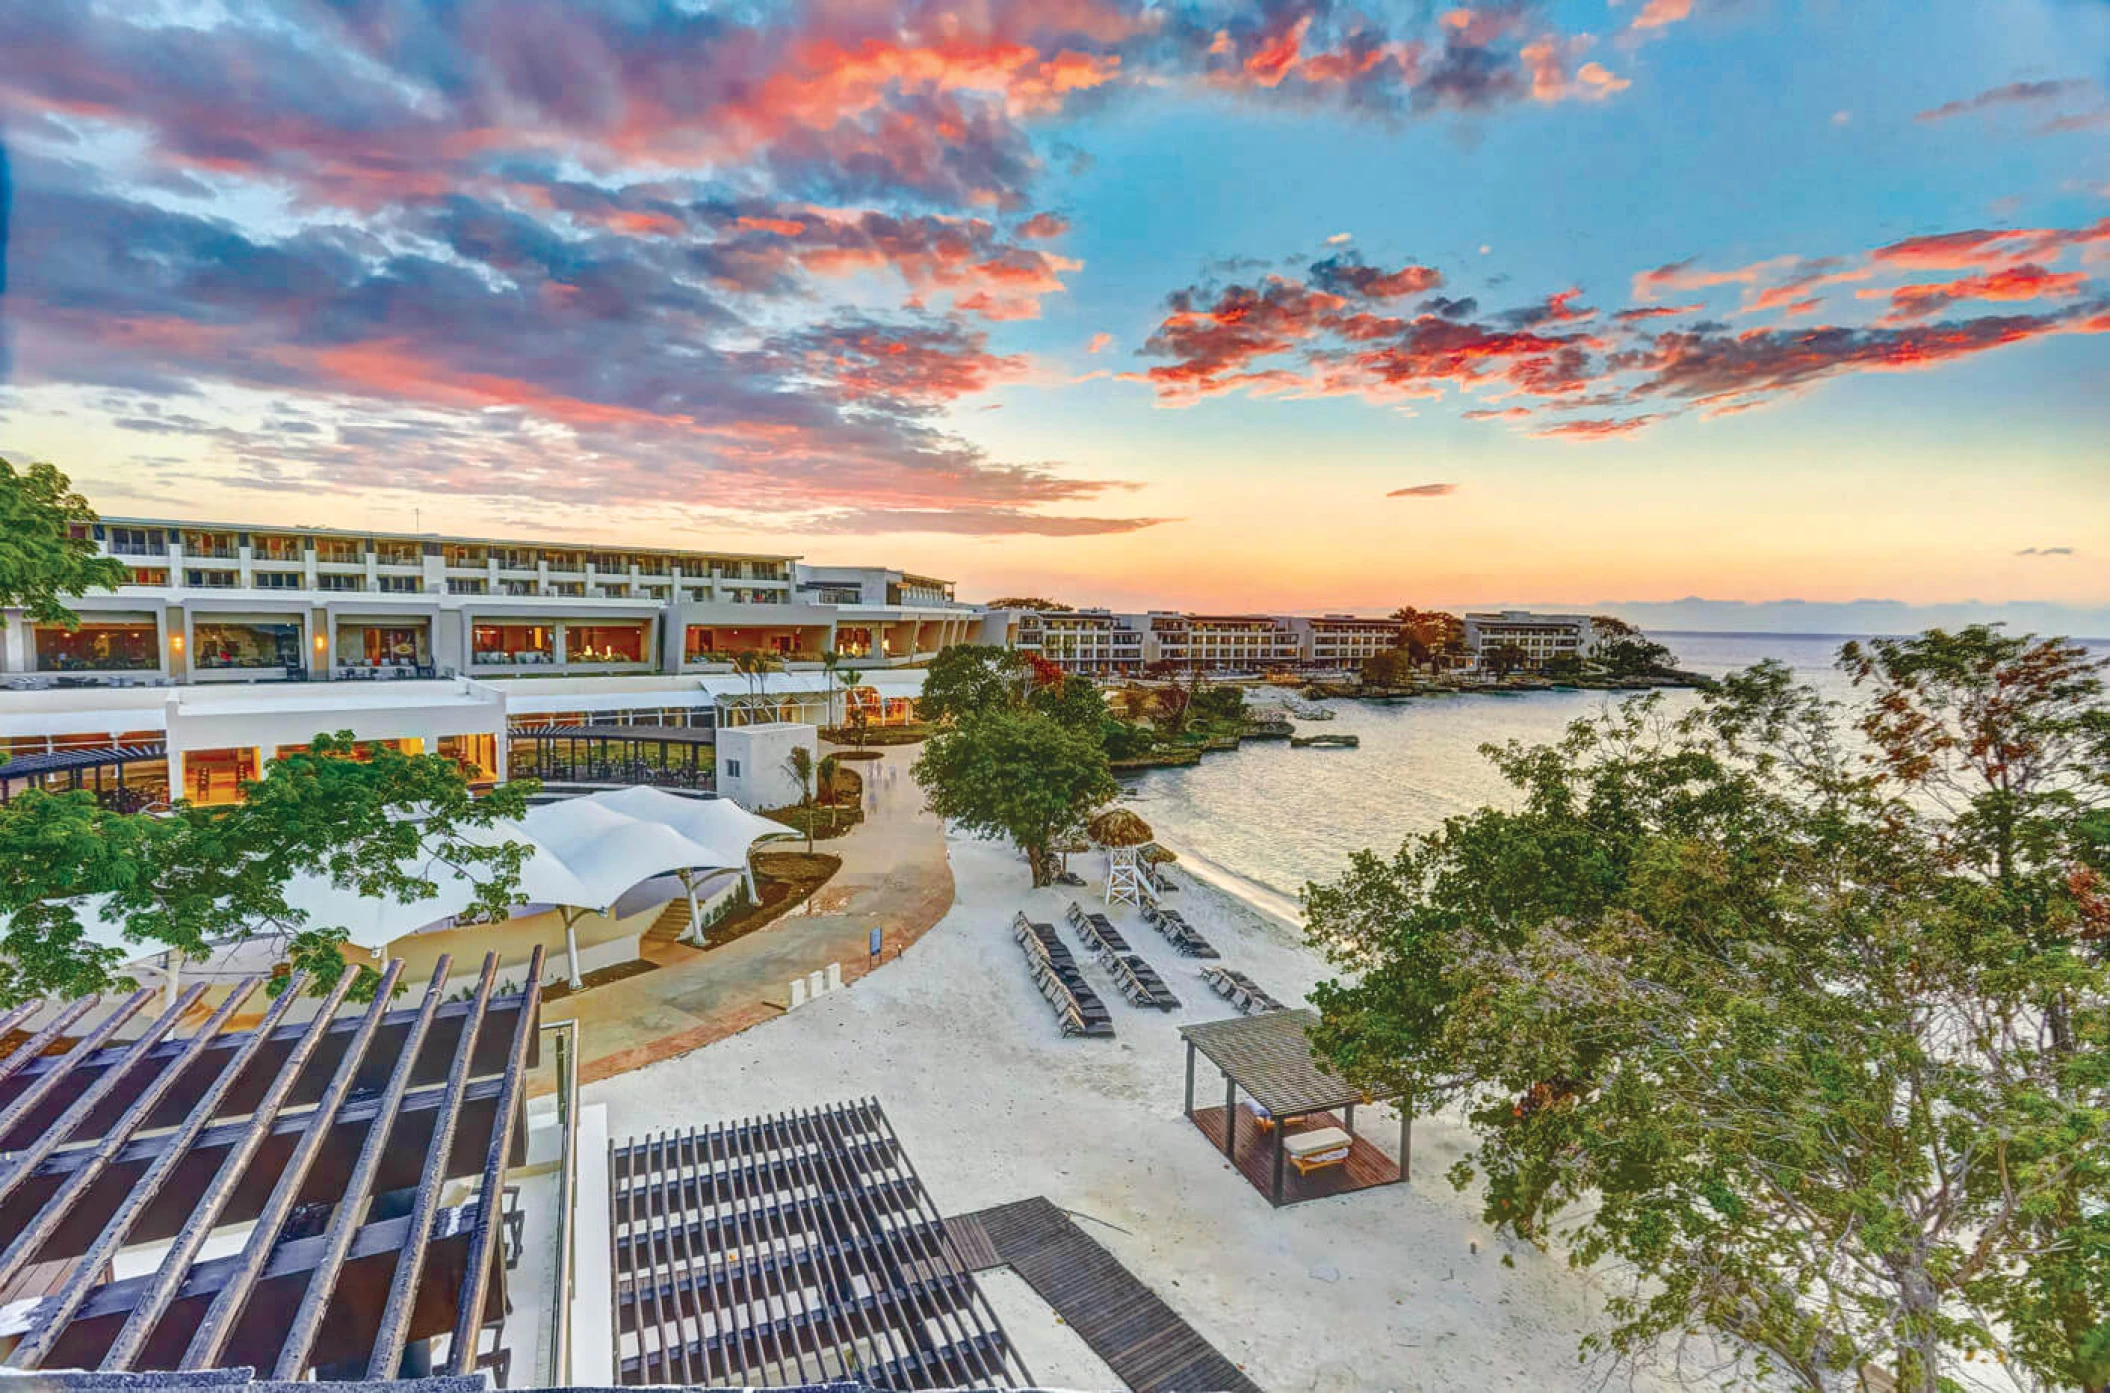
(549, 642)
(110, 643)
(384, 648)
(521, 645)
(249, 647)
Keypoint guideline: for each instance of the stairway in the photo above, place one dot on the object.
(671, 922)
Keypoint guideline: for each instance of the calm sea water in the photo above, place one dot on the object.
(1264, 821)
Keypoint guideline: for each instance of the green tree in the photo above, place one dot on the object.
(371, 820)
(853, 710)
(46, 554)
(1225, 704)
(1076, 702)
(799, 765)
(1633, 657)
(1390, 667)
(970, 678)
(1502, 659)
(1029, 602)
(1016, 774)
(1429, 635)
(1726, 1016)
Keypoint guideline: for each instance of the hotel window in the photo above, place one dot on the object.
(513, 643)
(397, 553)
(137, 541)
(570, 588)
(229, 646)
(340, 582)
(277, 548)
(339, 552)
(604, 643)
(516, 587)
(402, 585)
(280, 580)
(141, 576)
(111, 647)
(698, 644)
(465, 587)
(209, 580)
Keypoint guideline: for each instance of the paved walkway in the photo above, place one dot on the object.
(894, 877)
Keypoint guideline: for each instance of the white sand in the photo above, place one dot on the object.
(1376, 1290)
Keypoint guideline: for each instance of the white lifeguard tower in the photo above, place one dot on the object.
(1123, 835)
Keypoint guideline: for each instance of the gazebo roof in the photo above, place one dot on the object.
(1269, 1056)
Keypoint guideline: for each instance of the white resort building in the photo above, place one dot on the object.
(1538, 637)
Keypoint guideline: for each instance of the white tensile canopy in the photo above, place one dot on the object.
(584, 855)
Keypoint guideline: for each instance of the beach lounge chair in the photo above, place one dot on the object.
(1317, 1149)
(1238, 989)
(1182, 935)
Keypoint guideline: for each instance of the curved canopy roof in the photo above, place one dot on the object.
(585, 853)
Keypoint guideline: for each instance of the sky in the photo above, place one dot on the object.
(1296, 305)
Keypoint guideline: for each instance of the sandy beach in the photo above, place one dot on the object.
(1377, 1290)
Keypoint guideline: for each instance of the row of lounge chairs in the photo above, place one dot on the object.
(1238, 989)
(1181, 934)
(1078, 1008)
(1136, 978)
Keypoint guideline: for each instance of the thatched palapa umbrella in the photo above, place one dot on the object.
(1119, 827)
(1124, 835)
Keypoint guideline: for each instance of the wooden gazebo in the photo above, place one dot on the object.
(1292, 1109)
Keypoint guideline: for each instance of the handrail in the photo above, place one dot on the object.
(566, 1045)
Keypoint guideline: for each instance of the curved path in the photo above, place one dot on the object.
(894, 877)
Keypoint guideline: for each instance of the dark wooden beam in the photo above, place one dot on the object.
(432, 1067)
(348, 1334)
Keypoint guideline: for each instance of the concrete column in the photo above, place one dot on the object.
(571, 951)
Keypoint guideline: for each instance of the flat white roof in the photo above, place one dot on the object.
(283, 698)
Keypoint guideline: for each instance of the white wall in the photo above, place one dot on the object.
(751, 763)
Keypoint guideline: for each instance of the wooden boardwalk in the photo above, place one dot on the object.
(1142, 1340)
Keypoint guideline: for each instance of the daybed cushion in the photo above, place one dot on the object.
(1305, 1145)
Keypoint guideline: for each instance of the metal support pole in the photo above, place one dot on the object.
(1231, 1117)
(1190, 1079)
(1406, 1134)
(1275, 1187)
(1348, 1123)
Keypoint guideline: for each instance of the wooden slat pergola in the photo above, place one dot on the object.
(333, 1138)
(77, 765)
(1268, 1057)
(790, 1250)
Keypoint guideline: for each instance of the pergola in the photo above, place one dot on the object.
(1268, 1057)
(788, 1251)
(359, 1157)
(77, 765)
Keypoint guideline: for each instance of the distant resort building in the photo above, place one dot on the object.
(1536, 637)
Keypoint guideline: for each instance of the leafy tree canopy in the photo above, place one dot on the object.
(1797, 1018)
(1020, 774)
(42, 563)
(1427, 634)
(1030, 602)
(371, 819)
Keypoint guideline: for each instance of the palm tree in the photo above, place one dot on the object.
(799, 764)
(830, 661)
(852, 679)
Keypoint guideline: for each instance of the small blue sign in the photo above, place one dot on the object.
(878, 941)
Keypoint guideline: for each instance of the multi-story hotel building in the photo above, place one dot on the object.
(1538, 637)
(1094, 642)
(225, 603)
(1340, 642)
(1099, 642)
